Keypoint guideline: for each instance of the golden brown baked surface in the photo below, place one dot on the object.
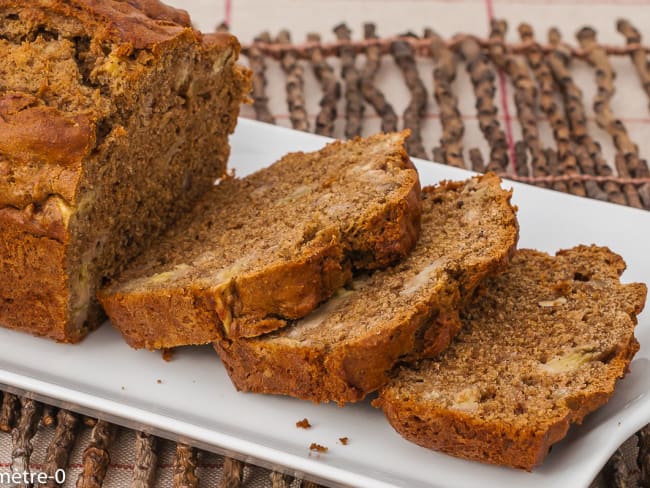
(262, 250)
(541, 347)
(344, 349)
(114, 118)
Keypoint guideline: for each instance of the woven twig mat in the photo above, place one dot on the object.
(346, 81)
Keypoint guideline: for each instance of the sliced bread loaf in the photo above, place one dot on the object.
(343, 350)
(541, 347)
(114, 119)
(258, 251)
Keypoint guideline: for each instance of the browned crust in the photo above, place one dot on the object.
(264, 301)
(390, 235)
(463, 435)
(349, 372)
(523, 445)
(24, 261)
(267, 300)
(32, 131)
(44, 148)
(49, 219)
(160, 11)
(112, 20)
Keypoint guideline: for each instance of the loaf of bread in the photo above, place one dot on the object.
(344, 349)
(259, 251)
(114, 118)
(541, 347)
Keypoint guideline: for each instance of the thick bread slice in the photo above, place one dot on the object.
(343, 350)
(541, 347)
(258, 251)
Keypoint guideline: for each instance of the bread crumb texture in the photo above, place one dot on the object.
(541, 347)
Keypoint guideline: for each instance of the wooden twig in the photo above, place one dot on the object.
(566, 160)
(439, 154)
(308, 484)
(638, 55)
(476, 159)
(279, 480)
(8, 411)
(48, 418)
(185, 467)
(644, 456)
(453, 128)
(96, 457)
(587, 152)
(521, 158)
(644, 190)
(482, 77)
(146, 461)
(58, 451)
(331, 90)
(421, 46)
(579, 177)
(525, 98)
(617, 474)
(554, 170)
(294, 85)
(21, 439)
(233, 473)
(89, 421)
(404, 57)
(605, 118)
(371, 94)
(630, 192)
(258, 67)
(352, 81)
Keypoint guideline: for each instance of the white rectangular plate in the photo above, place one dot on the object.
(195, 399)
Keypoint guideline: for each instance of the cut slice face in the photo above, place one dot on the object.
(541, 347)
(262, 250)
(344, 349)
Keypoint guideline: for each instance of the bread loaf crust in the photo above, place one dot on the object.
(66, 141)
(47, 310)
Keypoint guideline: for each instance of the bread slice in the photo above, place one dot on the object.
(262, 250)
(343, 350)
(541, 347)
(114, 118)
